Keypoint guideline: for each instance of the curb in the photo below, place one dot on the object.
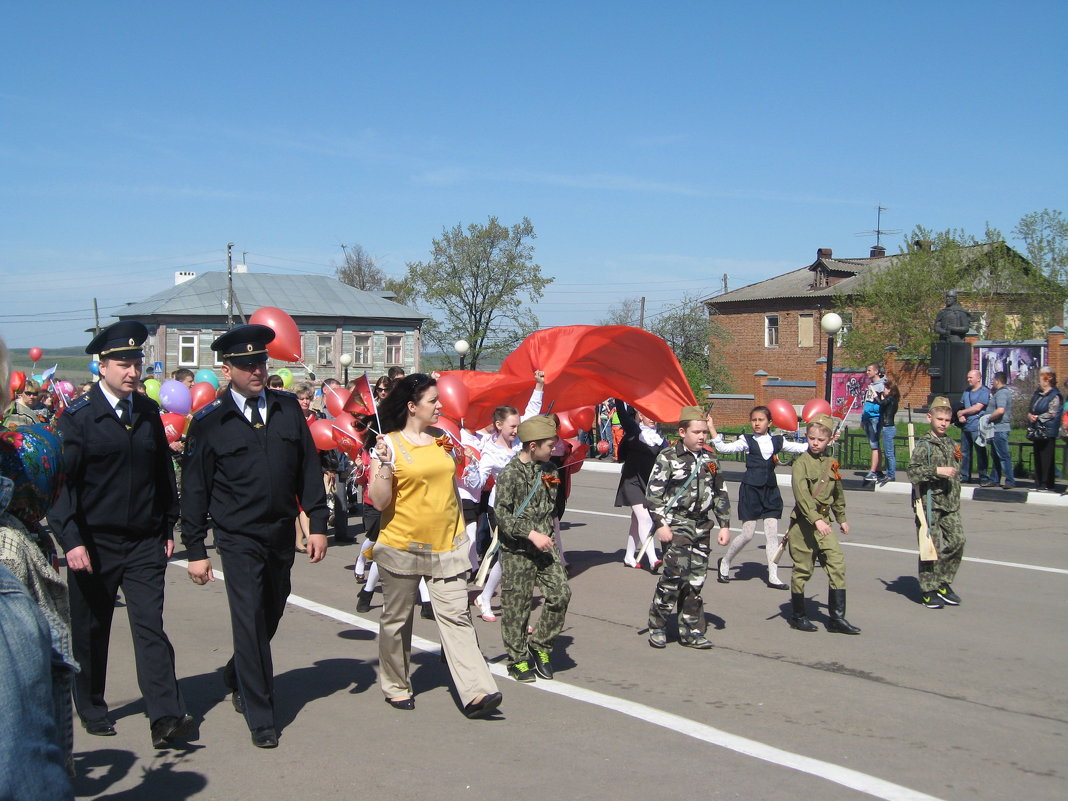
(988, 494)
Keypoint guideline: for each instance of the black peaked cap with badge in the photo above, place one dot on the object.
(121, 340)
(244, 345)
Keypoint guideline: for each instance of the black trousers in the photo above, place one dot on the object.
(138, 565)
(257, 586)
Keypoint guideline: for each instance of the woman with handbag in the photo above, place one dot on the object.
(1043, 425)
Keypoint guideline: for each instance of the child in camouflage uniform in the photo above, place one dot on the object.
(818, 497)
(526, 499)
(936, 482)
(685, 491)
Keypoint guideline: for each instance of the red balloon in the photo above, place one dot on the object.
(16, 382)
(35, 354)
(602, 447)
(783, 414)
(814, 407)
(348, 438)
(579, 451)
(454, 396)
(322, 432)
(583, 417)
(286, 344)
(173, 425)
(449, 426)
(335, 399)
(202, 393)
(566, 428)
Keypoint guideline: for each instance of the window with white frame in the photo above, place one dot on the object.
(394, 349)
(188, 348)
(805, 328)
(216, 355)
(771, 330)
(847, 326)
(324, 351)
(361, 350)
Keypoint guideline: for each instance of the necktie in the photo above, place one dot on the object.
(124, 413)
(253, 405)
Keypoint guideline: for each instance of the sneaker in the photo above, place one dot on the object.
(945, 592)
(522, 671)
(542, 665)
(932, 600)
(700, 642)
(987, 483)
(870, 477)
(657, 638)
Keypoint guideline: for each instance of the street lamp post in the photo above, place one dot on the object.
(831, 324)
(462, 347)
(345, 360)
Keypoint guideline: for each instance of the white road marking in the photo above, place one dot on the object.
(847, 777)
(914, 552)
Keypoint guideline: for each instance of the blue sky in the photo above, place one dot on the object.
(654, 147)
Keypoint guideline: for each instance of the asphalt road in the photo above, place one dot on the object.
(965, 703)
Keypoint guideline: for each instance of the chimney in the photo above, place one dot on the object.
(181, 276)
(877, 251)
(240, 268)
(823, 253)
(923, 245)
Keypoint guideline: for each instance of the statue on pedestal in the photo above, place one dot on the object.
(953, 322)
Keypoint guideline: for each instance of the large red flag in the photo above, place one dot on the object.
(362, 399)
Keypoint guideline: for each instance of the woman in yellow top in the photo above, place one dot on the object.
(422, 536)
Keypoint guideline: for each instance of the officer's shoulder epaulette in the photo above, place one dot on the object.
(205, 411)
(78, 403)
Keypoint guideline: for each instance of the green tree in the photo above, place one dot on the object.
(475, 283)
(626, 312)
(1045, 235)
(361, 270)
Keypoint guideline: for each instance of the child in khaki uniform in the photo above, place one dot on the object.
(818, 497)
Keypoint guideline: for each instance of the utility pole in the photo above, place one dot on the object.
(641, 314)
(96, 317)
(724, 283)
(229, 285)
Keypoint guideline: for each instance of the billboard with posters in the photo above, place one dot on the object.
(845, 387)
(1019, 361)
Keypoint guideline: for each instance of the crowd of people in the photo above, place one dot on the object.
(442, 513)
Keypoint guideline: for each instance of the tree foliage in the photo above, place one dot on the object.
(626, 312)
(477, 283)
(361, 270)
(1045, 234)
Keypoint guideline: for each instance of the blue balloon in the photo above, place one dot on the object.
(206, 375)
(94, 367)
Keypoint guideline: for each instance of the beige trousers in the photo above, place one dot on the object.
(448, 597)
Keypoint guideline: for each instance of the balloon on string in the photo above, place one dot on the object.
(602, 447)
(348, 438)
(201, 395)
(582, 417)
(449, 426)
(323, 433)
(173, 425)
(174, 396)
(454, 397)
(206, 376)
(94, 367)
(335, 399)
(36, 354)
(152, 388)
(579, 451)
(66, 387)
(783, 414)
(16, 382)
(814, 407)
(286, 343)
(566, 429)
(287, 377)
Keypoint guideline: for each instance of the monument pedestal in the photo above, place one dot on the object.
(948, 369)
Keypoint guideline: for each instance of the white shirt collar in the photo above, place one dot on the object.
(112, 399)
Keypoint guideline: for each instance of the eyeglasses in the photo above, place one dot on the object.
(30, 393)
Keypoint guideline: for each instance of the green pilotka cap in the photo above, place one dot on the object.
(538, 427)
(690, 414)
(824, 420)
(940, 403)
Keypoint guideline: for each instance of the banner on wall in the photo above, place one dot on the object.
(1019, 361)
(844, 388)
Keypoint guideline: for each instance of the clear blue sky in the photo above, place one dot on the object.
(654, 147)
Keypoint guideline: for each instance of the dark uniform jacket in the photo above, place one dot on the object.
(116, 480)
(250, 480)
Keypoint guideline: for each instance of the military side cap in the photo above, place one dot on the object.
(690, 414)
(121, 340)
(940, 403)
(824, 420)
(244, 345)
(538, 427)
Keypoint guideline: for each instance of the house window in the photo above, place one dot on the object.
(187, 350)
(361, 350)
(804, 330)
(324, 352)
(217, 360)
(394, 349)
(847, 326)
(771, 330)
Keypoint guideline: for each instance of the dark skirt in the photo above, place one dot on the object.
(759, 503)
(631, 492)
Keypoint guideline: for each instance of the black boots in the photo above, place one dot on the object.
(837, 608)
(799, 620)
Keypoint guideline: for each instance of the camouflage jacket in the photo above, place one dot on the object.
(513, 486)
(812, 501)
(702, 498)
(930, 453)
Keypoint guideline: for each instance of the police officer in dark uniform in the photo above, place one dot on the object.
(249, 457)
(114, 518)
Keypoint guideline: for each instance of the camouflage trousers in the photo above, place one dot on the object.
(519, 573)
(947, 534)
(806, 547)
(680, 585)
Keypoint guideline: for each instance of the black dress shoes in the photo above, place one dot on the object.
(100, 728)
(238, 702)
(168, 729)
(401, 703)
(265, 737)
(484, 708)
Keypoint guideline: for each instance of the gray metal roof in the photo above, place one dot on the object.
(301, 296)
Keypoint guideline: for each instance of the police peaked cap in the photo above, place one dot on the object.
(121, 340)
(244, 345)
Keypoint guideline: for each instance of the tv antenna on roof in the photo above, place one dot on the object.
(879, 232)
